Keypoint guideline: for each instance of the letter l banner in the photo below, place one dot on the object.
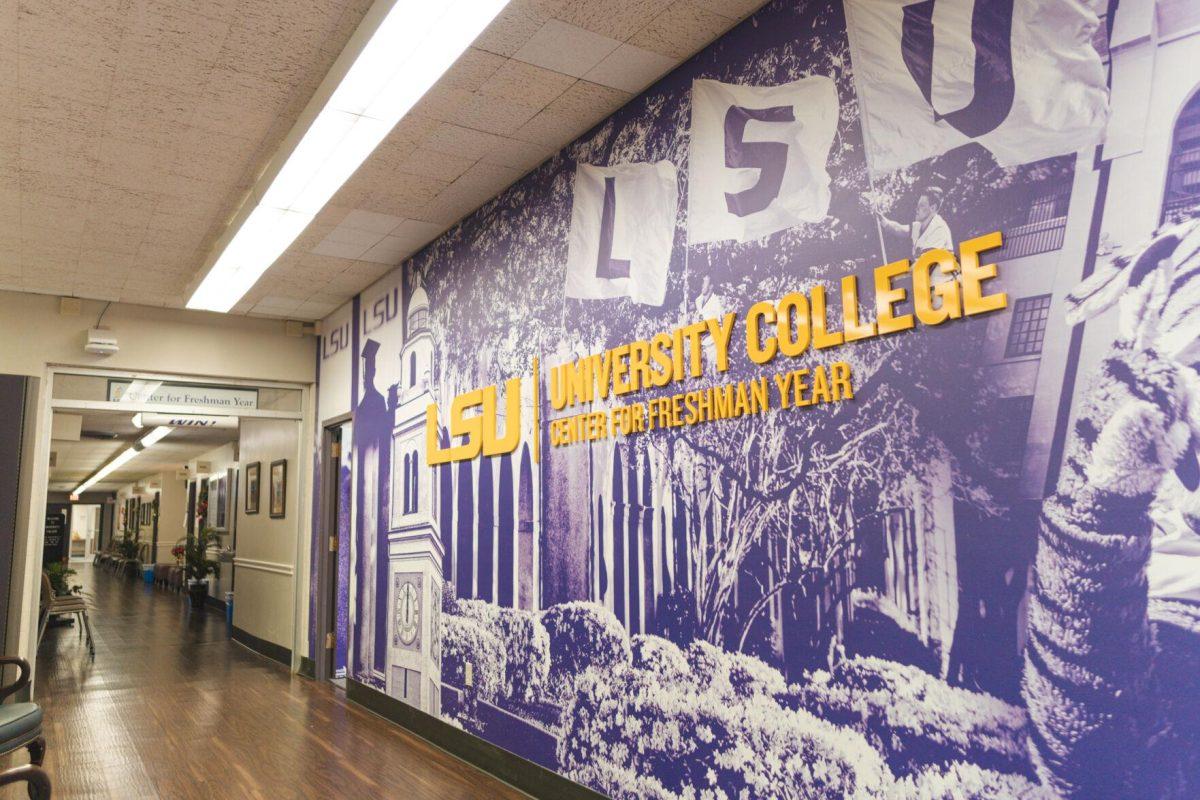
(622, 230)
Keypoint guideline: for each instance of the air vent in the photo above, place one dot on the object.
(107, 436)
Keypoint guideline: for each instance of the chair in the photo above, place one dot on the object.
(21, 727)
(175, 579)
(104, 555)
(39, 781)
(52, 604)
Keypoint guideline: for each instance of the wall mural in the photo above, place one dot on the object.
(934, 543)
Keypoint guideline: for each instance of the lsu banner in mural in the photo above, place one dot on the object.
(1020, 77)
(757, 160)
(622, 227)
(822, 424)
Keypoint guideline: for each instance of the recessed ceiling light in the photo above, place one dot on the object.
(412, 47)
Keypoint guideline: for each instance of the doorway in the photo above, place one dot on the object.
(336, 521)
(85, 530)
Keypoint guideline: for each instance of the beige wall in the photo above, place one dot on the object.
(219, 461)
(156, 340)
(151, 340)
(172, 515)
(266, 548)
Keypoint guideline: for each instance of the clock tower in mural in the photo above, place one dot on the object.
(414, 666)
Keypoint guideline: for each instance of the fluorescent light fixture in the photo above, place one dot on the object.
(412, 47)
(154, 436)
(123, 458)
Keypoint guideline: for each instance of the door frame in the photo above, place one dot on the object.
(41, 411)
(326, 557)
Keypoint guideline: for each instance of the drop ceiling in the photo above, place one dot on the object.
(106, 433)
(133, 130)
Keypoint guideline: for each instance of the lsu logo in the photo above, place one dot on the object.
(480, 432)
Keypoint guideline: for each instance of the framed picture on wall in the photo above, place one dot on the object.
(278, 488)
(253, 476)
(217, 490)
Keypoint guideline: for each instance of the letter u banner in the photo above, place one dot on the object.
(1020, 77)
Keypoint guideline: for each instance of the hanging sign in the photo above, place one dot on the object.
(229, 398)
(144, 420)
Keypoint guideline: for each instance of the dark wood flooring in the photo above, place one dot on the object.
(172, 708)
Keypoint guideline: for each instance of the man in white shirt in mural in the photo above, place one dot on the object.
(929, 231)
(709, 305)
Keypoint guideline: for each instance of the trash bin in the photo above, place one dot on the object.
(229, 608)
(148, 573)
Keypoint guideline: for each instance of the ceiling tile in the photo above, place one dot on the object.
(390, 250)
(630, 68)
(434, 164)
(682, 29)
(34, 182)
(734, 9)
(416, 233)
(518, 155)
(477, 111)
(585, 100)
(405, 194)
(566, 48)
(473, 68)
(409, 134)
(618, 19)
(551, 130)
(526, 83)
(512, 27)
(464, 142)
(346, 243)
(239, 103)
(371, 221)
(314, 310)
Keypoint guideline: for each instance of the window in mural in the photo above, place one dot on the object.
(1028, 329)
(1183, 172)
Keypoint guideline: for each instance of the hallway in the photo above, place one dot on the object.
(172, 708)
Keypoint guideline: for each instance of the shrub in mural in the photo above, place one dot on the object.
(525, 645)
(914, 719)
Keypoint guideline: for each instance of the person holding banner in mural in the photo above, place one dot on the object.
(929, 230)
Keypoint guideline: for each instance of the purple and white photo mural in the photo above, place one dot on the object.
(959, 560)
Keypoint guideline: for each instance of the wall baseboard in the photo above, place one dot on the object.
(527, 776)
(273, 651)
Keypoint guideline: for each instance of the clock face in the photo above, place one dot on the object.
(408, 613)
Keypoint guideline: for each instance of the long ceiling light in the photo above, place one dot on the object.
(123, 458)
(409, 51)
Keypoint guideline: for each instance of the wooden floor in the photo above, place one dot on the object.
(172, 708)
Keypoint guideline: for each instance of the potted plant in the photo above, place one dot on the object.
(128, 548)
(59, 574)
(198, 566)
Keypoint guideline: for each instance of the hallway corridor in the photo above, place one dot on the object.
(172, 708)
